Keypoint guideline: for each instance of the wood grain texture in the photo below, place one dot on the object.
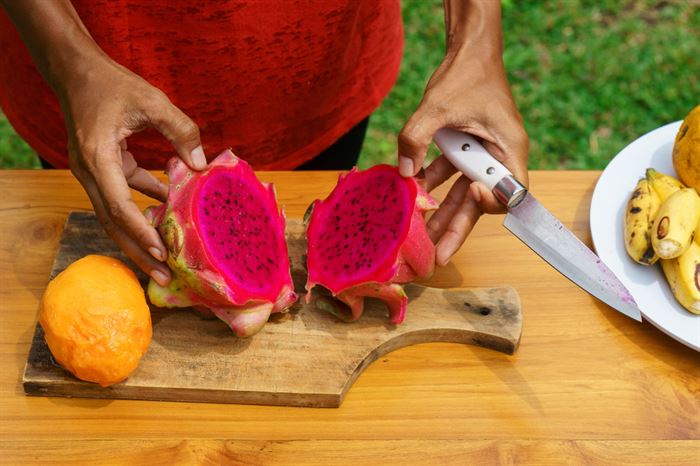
(584, 376)
(352, 453)
(305, 357)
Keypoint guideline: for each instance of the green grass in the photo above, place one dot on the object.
(589, 76)
(14, 152)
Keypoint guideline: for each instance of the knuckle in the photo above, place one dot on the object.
(142, 236)
(90, 165)
(154, 105)
(433, 229)
(115, 209)
(408, 138)
(435, 107)
(186, 128)
(129, 167)
(86, 156)
(452, 199)
(155, 98)
(110, 228)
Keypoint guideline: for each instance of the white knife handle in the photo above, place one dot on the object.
(471, 158)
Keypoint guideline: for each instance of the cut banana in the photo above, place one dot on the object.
(683, 275)
(675, 223)
(642, 208)
(664, 185)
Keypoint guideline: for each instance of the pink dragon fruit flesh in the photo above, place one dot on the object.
(367, 238)
(226, 244)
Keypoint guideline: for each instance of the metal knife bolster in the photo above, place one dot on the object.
(509, 191)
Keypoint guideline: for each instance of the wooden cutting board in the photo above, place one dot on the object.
(305, 357)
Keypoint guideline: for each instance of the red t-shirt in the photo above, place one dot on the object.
(278, 81)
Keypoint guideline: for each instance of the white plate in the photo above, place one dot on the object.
(647, 284)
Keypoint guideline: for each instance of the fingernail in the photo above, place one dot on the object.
(157, 253)
(199, 161)
(160, 278)
(405, 166)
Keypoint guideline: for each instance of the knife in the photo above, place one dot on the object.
(534, 225)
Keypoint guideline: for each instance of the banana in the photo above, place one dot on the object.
(683, 275)
(642, 208)
(664, 185)
(675, 223)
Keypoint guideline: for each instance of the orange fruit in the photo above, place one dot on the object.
(686, 150)
(96, 320)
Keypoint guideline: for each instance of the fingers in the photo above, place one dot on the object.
(179, 129)
(156, 269)
(116, 196)
(414, 139)
(454, 220)
(119, 208)
(438, 172)
(485, 199)
(437, 225)
(512, 146)
(460, 226)
(142, 180)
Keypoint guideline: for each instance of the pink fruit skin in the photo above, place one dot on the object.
(202, 277)
(409, 255)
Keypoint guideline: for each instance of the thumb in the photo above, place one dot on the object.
(414, 139)
(180, 130)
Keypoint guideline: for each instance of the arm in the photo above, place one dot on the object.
(469, 91)
(103, 103)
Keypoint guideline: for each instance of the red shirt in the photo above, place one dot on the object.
(278, 81)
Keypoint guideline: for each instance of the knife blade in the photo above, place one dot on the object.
(534, 225)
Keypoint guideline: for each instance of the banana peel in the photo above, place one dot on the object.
(642, 207)
(683, 276)
(663, 184)
(675, 223)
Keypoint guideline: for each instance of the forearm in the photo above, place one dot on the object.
(57, 39)
(473, 27)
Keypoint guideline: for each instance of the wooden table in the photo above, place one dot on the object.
(587, 385)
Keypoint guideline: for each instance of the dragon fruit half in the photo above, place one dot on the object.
(226, 244)
(367, 238)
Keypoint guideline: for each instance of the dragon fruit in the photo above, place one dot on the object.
(226, 244)
(367, 238)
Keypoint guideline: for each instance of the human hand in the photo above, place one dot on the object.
(103, 105)
(471, 95)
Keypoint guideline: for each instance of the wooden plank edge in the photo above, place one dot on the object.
(78, 389)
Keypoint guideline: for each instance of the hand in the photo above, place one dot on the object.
(103, 105)
(471, 95)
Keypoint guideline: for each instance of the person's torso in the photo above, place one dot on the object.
(276, 81)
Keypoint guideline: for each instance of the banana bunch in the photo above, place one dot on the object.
(662, 223)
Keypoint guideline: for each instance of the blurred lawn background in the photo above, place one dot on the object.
(589, 76)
